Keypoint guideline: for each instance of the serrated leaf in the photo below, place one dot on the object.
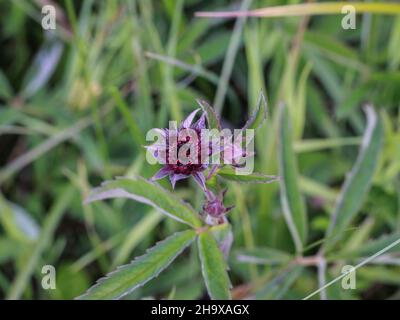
(229, 173)
(148, 192)
(291, 199)
(259, 114)
(358, 181)
(212, 117)
(129, 277)
(213, 268)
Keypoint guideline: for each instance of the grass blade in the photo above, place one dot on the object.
(307, 9)
(278, 286)
(30, 156)
(292, 202)
(138, 232)
(359, 180)
(134, 129)
(228, 173)
(230, 59)
(45, 238)
(263, 255)
(212, 117)
(259, 115)
(313, 145)
(197, 70)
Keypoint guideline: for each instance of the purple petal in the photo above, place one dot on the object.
(232, 153)
(200, 179)
(188, 121)
(210, 196)
(201, 123)
(163, 172)
(176, 177)
(212, 171)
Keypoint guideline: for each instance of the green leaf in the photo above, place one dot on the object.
(6, 91)
(379, 274)
(9, 115)
(131, 123)
(263, 255)
(259, 115)
(306, 9)
(17, 223)
(379, 244)
(358, 181)
(129, 277)
(53, 218)
(292, 201)
(9, 248)
(369, 248)
(279, 285)
(42, 66)
(222, 233)
(213, 267)
(229, 173)
(212, 117)
(144, 191)
(137, 233)
(299, 107)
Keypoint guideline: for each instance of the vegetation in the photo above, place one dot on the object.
(76, 104)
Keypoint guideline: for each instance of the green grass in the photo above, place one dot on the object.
(125, 67)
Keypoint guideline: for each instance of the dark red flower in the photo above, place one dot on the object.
(181, 142)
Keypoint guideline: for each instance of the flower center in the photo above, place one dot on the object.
(189, 166)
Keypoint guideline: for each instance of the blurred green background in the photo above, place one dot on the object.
(75, 105)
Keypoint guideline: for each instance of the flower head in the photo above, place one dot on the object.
(181, 151)
(214, 207)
